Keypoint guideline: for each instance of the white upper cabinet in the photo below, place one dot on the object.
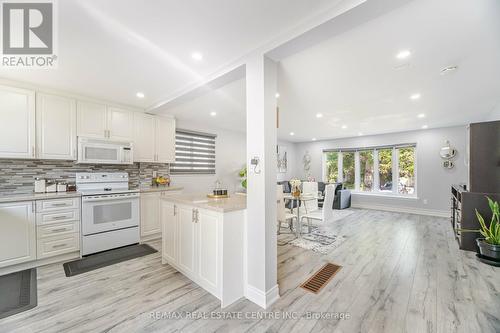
(17, 123)
(165, 140)
(104, 122)
(92, 120)
(120, 124)
(55, 127)
(144, 137)
(154, 138)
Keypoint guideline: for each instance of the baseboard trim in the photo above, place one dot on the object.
(407, 210)
(261, 298)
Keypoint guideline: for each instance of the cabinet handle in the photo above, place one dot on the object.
(59, 245)
(175, 210)
(62, 217)
(58, 204)
(60, 229)
(33, 151)
(192, 216)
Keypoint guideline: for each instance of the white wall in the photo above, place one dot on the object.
(495, 114)
(433, 181)
(292, 166)
(230, 157)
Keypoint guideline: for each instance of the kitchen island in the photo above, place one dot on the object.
(204, 239)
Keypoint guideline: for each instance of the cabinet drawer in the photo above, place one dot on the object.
(56, 204)
(58, 216)
(57, 229)
(56, 245)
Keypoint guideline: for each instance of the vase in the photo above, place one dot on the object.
(295, 192)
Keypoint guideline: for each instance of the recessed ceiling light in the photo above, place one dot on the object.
(314, 139)
(344, 126)
(213, 113)
(425, 127)
(415, 96)
(140, 95)
(421, 115)
(292, 134)
(197, 56)
(403, 54)
(319, 115)
(277, 95)
(360, 134)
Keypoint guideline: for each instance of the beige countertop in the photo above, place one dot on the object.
(235, 202)
(146, 189)
(30, 196)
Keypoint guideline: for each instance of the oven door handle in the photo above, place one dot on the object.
(110, 198)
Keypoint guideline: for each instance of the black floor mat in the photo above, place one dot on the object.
(106, 258)
(18, 292)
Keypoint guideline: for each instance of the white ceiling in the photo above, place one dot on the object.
(112, 49)
(351, 79)
(228, 102)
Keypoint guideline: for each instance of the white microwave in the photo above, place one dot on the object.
(95, 151)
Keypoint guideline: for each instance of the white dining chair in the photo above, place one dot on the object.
(309, 189)
(282, 214)
(324, 214)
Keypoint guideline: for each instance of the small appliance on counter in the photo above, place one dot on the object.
(161, 181)
(51, 186)
(39, 185)
(62, 186)
(71, 187)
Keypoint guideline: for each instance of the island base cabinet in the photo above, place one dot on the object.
(18, 233)
(206, 246)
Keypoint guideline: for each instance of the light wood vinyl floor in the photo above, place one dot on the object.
(401, 273)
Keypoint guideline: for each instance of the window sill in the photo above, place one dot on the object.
(383, 195)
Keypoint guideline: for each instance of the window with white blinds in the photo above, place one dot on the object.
(194, 153)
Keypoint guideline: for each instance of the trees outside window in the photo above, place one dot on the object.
(385, 169)
(348, 168)
(332, 167)
(406, 184)
(366, 170)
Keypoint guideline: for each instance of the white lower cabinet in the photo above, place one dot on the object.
(150, 225)
(58, 227)
(18, 233)
(187, 239)
(193, 242)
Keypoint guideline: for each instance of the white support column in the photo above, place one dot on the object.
(261, 86)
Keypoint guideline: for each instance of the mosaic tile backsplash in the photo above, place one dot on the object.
(17, 176)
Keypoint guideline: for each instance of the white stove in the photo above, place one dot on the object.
(110, 211)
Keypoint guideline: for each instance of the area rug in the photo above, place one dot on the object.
(322, 238)
(18, 292)
(106, 258)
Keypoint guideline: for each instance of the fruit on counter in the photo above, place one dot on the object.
(161, 180)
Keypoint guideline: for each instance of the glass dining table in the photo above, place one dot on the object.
(297, 202)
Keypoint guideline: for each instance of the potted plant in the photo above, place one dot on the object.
(243, 176)
(489, 244)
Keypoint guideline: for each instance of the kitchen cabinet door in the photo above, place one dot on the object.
(17, 123)
(165, 140)
(91, 120)
(168, 218)
(55, 127)
(187, 229)
(18, 235)
(144, 137)
(150, 214)
(208, 256)
(120, 124)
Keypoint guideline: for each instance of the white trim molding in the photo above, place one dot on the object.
(401, 209)
(261, 298)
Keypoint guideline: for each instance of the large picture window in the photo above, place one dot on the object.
(384, 170)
